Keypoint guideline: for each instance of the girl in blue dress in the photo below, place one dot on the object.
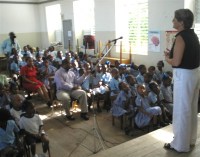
(146, 113)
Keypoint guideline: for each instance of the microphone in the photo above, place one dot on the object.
(114, 40)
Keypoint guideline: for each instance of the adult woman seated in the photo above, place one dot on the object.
(30, 81)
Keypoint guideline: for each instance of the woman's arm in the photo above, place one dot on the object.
(178, 52)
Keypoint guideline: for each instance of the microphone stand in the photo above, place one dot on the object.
(96, 133)
(105, 53)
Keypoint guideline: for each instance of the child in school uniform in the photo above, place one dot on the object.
(9, 143)
(16, 110)
(167, 92)
(145, 112)
(147, 79)
(142, 70)
(159, 71)
(31, 124)
(130, 79)
(114, 83)
(155, 97)
(122, 104)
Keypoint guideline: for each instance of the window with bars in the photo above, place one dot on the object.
(132, 24)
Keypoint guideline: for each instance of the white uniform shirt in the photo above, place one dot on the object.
(31, 125)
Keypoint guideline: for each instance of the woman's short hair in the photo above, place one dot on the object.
(186, 16)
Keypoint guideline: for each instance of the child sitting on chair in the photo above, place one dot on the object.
(123, 103)
(31, 124)
(16, 110)
(9, 139)
(145, 112)
(155, 97)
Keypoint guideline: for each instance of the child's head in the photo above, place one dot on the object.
(81, 71)
(142, 69)
(104, 68)
(123, 86)
(147, 77)
(167, 80)
(131, 80)
(17, 100)
(154, 87)
(122, 68)
(151, 69)
(141, 89)
(160, 65)
(115, 73)
(28, 107)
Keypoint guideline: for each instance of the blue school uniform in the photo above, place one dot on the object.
(119, 104)
(153, 97)
(114, 86)
(106, 78)
(142, 119)
(7, 137)
(140, 79)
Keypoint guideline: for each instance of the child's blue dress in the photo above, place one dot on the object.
(142, 119)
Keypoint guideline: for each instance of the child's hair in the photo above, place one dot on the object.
(140, 67)
(152, 68)
(152, 85)
(4, 115)
(128, 78)
(81, 71)
(120, 85)
(26, 104)
(161, 63)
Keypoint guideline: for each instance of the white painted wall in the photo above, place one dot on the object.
(27, 19)
(20, 18)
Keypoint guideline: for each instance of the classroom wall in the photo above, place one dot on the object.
(30, 25)
(23, 19)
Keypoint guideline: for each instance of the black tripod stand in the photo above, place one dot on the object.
(97, 137)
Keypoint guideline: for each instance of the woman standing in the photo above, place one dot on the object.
(184, 58)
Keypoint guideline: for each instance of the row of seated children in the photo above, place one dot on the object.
(152, 90)
(21, 119)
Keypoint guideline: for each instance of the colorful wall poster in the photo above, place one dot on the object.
(154, 41)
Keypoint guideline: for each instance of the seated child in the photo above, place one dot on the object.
(142, 70)
(147, 79)
(145, 112)
(31, 124)
(114, 83)
(16, 110)
(130, 79)
(167, 92)
(8, 136)
(123, 103)
(155, 97)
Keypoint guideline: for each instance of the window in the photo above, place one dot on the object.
(132, 24)
(84, 17)
(54, 26)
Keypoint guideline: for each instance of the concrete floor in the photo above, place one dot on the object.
(80, 138)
